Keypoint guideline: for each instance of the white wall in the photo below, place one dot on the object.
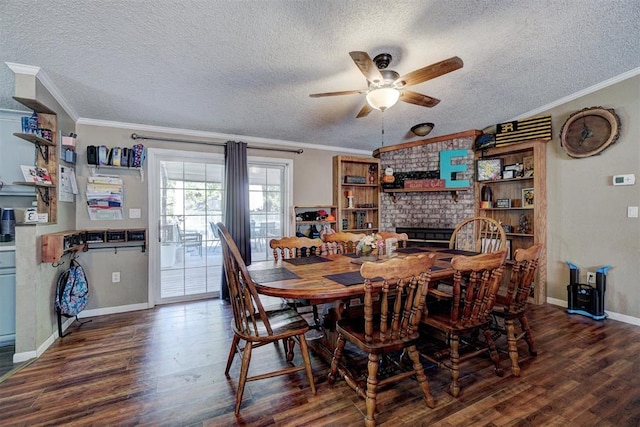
(587, 216)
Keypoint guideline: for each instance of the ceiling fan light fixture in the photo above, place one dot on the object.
(383, 98)
(422, 129)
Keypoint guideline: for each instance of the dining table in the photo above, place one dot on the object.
(335, 282)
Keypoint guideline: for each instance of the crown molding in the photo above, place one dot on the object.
(23, 69)
(217, 136)
(39, 73)
(604, 84)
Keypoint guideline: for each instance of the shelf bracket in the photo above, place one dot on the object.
(44, 194)
(44, 152)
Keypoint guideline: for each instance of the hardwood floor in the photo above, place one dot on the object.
(165, 367)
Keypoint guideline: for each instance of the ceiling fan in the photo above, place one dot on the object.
(386, 87)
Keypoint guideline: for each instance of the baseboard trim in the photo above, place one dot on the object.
(113, 310)
(610, 314)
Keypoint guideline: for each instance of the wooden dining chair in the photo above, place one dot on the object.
(402, 238)
(513, 304)
(254, 326)
(342, 242)
(294, 247)
(392, 312)
(478, 234)
(460, 319)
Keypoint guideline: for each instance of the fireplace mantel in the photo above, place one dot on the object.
(468, 133)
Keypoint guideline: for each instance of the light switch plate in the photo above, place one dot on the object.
(134, 213)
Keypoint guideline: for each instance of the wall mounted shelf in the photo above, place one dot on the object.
(41, 188)
(94, 169)
(56, 245)
(41, 143)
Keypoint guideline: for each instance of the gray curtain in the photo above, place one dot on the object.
(237, 202)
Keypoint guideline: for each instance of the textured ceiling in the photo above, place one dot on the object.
(248, 67)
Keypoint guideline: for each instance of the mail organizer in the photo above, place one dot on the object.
(56, 245)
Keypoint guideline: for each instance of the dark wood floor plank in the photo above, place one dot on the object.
(165, 367)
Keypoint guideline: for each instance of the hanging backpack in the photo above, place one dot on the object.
(72, 291)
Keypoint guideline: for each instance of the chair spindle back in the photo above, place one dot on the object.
(483, 276)
(245, 301)
(402, 296)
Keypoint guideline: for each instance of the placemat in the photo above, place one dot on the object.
(355, 278)
(411, 250)
(272, 275)
(351, 255)
(459, 252)
(347, 279)
(307, 260)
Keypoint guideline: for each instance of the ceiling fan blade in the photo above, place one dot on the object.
(364, 111)
(429, 72)
(418, 98)
(344, 92)
(367, 67)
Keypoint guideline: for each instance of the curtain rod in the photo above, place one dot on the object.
(135, 136)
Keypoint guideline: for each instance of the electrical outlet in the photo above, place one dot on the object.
(115, 277)
(591, 277)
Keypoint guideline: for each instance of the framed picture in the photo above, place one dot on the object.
(527, 166)
(527, 197)
(517, 169)
(508, 174)
(488, 169)
(503, 203)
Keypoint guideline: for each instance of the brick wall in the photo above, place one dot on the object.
(427, 209)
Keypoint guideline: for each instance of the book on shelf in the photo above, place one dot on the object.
(36, 174)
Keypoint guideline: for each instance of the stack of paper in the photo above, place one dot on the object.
(105, 197)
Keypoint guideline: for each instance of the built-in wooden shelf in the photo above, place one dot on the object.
(423, 190)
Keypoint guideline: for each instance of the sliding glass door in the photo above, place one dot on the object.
(189, 193)
(186, 199)
(269, 189)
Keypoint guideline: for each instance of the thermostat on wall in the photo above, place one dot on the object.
(628, 179)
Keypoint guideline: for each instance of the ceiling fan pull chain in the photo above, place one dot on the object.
(382, 115)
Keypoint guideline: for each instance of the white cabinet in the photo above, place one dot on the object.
(13, 153)
(7, 296)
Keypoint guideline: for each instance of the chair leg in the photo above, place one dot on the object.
(493, 352)
(304, 348)
(527, 334)
(513, 347)
(316, 317)
(292, 344)
(372, 385)
(232, 353)
(455, 365)
(244, 371)
(337, 354)
(421, 377)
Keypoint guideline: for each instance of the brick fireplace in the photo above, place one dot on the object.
(427, 209)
